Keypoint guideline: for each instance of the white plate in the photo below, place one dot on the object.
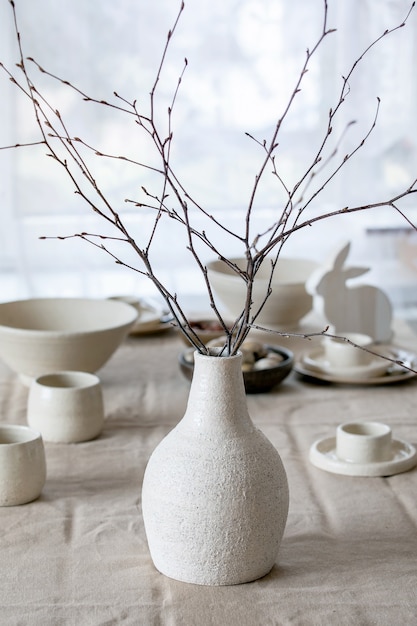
(149, 321)
(316, 360)
(392, 374)
(323, 455)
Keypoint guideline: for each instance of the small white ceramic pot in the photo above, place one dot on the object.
(66, 407)
(364, 442)
(342, 354)
(22, 465)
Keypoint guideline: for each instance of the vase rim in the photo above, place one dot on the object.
(214, 353)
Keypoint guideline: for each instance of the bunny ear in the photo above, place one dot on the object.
(341, 256)
(353, 272)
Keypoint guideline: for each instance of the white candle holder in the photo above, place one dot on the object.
(364, 442)
(342, 354)
(363, 449)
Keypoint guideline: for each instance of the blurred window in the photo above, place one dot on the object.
(244, 58)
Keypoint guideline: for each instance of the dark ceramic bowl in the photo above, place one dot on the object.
(256, 381)
(206, 329)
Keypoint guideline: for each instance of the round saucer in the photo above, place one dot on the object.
(323, 455)
(309, 366)
(317, 360)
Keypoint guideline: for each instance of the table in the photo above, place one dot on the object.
(78, 555)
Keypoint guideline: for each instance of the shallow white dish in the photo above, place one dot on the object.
(150, 321)
(323, 455)
(316, 360)
(393, 373)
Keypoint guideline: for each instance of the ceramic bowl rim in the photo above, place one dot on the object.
(214, 264)
(33, 434)
(84, 380)
(42, 332)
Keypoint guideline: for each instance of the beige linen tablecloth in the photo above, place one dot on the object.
(79, 556)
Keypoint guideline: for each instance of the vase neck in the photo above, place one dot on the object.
(217, 395)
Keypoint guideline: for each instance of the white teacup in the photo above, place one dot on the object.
(66, 407)
(364, 442)
(341, 353)
(22, 465)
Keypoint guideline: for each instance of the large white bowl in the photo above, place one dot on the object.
(45, 335)
(286, 305)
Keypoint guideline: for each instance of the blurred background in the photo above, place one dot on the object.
(244, 59)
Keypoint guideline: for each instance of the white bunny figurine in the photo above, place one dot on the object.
(361, 308)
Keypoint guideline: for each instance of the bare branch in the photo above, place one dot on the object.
(76, 156)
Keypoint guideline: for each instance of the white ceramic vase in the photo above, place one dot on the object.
(215, 492)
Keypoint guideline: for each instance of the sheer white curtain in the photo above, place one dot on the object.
(244, 57)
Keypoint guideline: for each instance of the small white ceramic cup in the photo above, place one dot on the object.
(66, 407)
(342, 354)
(364, 442)
(22, 465)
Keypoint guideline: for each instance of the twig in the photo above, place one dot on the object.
(173, 202)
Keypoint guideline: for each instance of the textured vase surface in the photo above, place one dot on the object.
(215, 492)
